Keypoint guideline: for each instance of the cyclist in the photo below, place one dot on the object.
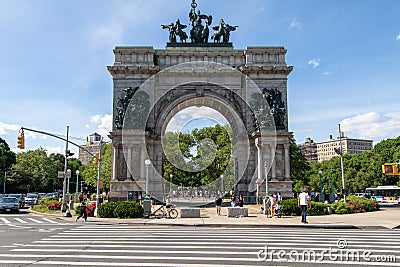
(168, 205)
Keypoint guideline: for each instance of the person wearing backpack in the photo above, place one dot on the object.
(82, 209)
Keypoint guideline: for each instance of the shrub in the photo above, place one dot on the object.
(318, 209)
(355, 205)
(54, 205)
(48, 200)
(128, 209)
(290, 207)
(358, 204)
(106, 210)
(340, 207)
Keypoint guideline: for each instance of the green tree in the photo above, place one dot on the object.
(7, 157)
(34, 171)
(299, 167)
(200, 157)
(88, 172)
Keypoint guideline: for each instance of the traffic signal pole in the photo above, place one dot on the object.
(64, 204)
(67, 153)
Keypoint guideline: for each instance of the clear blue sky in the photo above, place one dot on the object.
(53, 58)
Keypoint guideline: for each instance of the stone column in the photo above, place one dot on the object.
(128, 162)
(287, 161)
(273, 163)
(114, 163)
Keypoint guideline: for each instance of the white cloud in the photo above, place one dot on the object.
(103, 124)
(327, 73)
(398, 37)
(314, 62)
(372, 126)
(295, 24)
(5, 128)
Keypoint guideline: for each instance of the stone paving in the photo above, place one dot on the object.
(386, 218)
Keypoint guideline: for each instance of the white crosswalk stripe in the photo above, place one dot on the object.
(29, 220)
(129, 245)
(5, 220)
(20, 220)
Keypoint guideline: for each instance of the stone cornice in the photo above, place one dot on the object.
(130, 70)
(284, 70)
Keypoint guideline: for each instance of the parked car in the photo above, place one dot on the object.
(9, 204)
(20, 199)
(31, 199)
(41, 195)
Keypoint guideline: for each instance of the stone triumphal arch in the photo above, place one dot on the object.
(247, 86)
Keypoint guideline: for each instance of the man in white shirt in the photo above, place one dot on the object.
(304, 202)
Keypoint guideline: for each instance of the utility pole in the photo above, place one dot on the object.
(64, 204)
(342, 165)
(98, 178)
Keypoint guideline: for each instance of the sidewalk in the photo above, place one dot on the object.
(386, 218)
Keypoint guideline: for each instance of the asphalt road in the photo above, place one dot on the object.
(40, 242)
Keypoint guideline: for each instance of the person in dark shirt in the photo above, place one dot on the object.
(240, 200)
(218, 204)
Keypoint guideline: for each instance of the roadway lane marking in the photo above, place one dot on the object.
(20, 220)
(5, 220)
(34, 220)
(48, 220)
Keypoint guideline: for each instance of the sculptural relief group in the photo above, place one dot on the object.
(200, 30)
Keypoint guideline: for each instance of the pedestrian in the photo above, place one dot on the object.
(168, 205)
(279, 197)
(304, 203)
(233, 200)
(218, 204)
(272, 205)
(240, 200)
(82, 209)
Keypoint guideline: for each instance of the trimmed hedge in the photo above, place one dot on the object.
(290, 208)
(106, 210)
(128, 209)
(353, 205)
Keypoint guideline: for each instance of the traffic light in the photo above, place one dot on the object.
(21, 141)
(69, 153)
(96, 158)
(390, 168)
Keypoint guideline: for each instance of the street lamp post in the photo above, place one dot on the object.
(266, 180)
(222, 185)
(266, 188)
(321, 193)
(147, 163)
(77, 181)
(68, 176)
(332, 194)
(147, 201)
(5, 179)
(342, 165)
(170, 185)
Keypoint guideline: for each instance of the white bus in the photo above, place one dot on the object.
(384, 194)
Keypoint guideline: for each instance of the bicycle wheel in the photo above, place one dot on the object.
(173, 213)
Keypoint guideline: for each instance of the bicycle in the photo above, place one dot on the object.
(162, 212)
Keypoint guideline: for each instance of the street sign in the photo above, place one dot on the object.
(60, 174)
